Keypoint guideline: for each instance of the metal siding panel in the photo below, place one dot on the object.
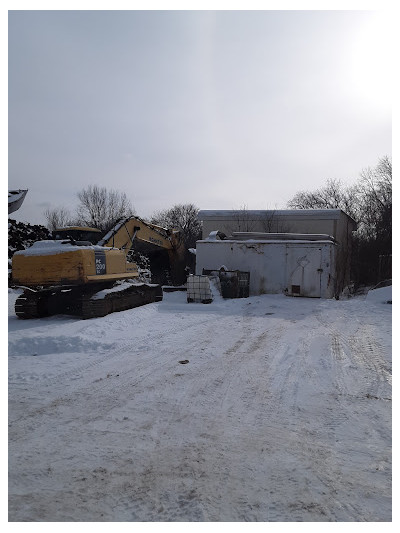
(269, 264)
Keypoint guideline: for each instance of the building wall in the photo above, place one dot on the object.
(274, 266)
(281, 225)
(332, 222)
(329, 221)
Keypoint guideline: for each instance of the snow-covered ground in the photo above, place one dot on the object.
(261, 409)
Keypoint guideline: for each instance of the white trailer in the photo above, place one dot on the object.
(296, 265)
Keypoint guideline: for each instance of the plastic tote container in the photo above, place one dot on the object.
(200, 289)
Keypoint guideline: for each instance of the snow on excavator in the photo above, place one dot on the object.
(77, 273)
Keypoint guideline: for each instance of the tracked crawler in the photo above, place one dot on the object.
(89, 280)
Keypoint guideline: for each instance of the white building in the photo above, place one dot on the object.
(308, 254)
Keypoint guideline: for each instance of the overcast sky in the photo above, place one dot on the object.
(216, 108)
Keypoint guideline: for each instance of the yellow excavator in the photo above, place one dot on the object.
(77, 273)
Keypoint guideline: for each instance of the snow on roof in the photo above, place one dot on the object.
(205, 214)
(255, 237)
(263, 236)
(270, 241)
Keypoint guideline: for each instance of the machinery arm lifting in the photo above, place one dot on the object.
(128, 229)
(151, 237)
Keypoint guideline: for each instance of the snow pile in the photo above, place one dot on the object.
(215, 286)
(382, 295)
(54, 345)
(121, 286)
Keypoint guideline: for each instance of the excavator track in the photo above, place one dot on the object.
(135, 296)
(31, 305)
(85, 302)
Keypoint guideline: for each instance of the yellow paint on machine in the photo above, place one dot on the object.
(70, 267)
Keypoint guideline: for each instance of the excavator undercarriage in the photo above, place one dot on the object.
(85, 302)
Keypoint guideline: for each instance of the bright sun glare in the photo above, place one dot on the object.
(372, 61)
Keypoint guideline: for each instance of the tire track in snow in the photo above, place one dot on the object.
(134, 347)
(108, 392)
(208, 389)
(234, 398)
(185, 466)
(240, 411)
(357, 354)
(205, 389)
(358, 371)
(299, 437)
(105, 388)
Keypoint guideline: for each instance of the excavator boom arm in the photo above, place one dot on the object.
(126, 230)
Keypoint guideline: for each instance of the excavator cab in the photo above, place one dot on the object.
(77, 234)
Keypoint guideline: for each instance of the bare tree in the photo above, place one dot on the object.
(369, 203)
(182, 217)
(101, 208)
(373, 240)
(267, 221)
(375, 188)
(242, 220)
(271, 223)
(57, 218)
(332, 196)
